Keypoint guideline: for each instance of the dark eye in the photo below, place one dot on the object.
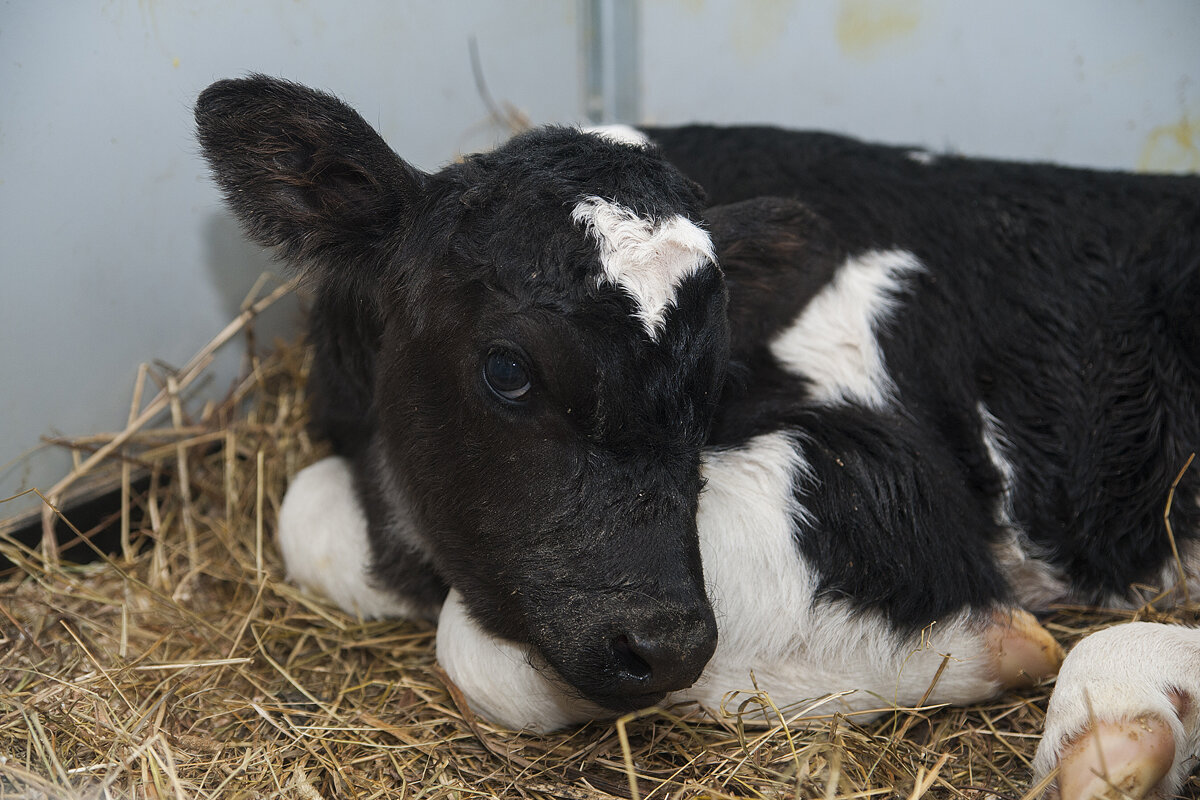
(505, 376)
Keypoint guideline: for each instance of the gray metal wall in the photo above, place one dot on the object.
(115, 250)
(1107, 83)
(113, 244)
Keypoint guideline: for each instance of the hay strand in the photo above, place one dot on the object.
(185, 666)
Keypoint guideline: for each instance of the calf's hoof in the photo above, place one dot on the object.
(1023, 652)
(1122, 721)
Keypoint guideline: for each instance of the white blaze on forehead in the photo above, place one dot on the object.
(622, 134)
(648, 260)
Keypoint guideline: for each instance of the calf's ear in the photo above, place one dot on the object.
(304, 172)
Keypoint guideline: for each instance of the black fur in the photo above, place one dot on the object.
(1063, 300)
(1066, 300)
(538, 512)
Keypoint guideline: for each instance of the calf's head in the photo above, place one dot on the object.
(528, 346)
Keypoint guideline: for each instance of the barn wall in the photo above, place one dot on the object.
(114, 246)
(1106, 83)
(115, 249)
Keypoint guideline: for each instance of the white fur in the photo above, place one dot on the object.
(647, 259)
(620, 133)
(763, 595)
(833, 341)
(921, 157)
(770, 632)
(996, 443)
(323, 540)
(1123, 672)
(1036, 583)
(504, 682)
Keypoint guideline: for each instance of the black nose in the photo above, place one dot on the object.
(663, 654)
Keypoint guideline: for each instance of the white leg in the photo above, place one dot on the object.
(323, 539)
(1123, 714)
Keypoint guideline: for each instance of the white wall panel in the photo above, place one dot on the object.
(1108, 83)
(114, 248)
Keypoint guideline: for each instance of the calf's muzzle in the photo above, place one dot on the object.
(659, 649)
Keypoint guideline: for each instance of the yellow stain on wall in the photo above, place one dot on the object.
(863, 26)
(758, 25)
(1172, 148)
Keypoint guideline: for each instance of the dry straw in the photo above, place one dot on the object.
(184, 666)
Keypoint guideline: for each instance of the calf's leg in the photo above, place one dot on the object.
(323, 539)
(1122, 721)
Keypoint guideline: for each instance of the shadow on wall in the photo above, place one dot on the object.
(235, 265)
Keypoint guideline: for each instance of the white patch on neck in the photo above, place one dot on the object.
(833, 342)
(648, 260)
(776, 634)
(747, 519)
(921, 157)
(621, 134)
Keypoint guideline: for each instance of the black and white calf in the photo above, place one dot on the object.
(866, 412)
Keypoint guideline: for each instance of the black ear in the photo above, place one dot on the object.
(776, 254)
(304, 172)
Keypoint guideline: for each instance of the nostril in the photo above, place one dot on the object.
(628, 660)
(651, 656)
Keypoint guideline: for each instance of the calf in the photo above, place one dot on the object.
(918, 396)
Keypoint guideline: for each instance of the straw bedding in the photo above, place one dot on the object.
(185, 666)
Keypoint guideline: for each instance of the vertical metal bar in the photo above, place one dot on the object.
(611, 60)
(592, 36)
(626, 62)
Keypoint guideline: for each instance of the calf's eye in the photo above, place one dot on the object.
(505, 376)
